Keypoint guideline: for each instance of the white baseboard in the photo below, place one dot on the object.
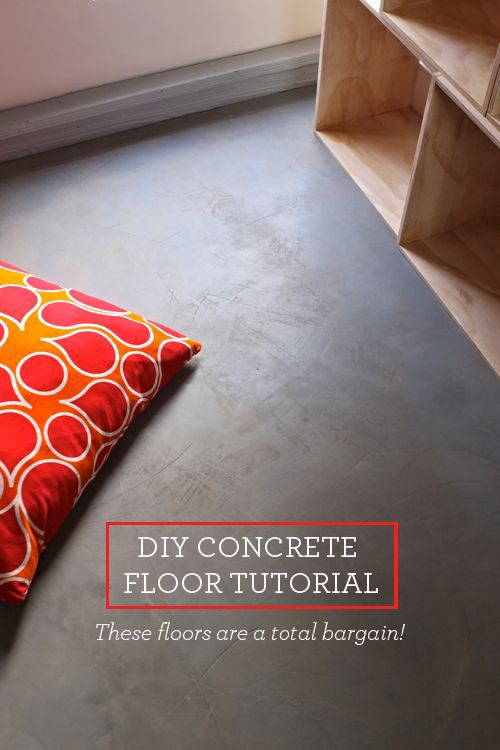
(139, 101)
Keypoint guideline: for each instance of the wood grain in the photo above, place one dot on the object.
(421, 90)
(463, 267)
(378, 154)
(485, 124)
(459, 37)
(364, 70)
(457, 173)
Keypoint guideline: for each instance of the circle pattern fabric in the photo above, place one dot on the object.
(75, 371)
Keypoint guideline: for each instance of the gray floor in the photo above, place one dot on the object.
(332, 386)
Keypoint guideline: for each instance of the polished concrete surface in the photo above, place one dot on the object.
(332, 386)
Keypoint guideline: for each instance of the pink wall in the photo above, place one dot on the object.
(51, 47)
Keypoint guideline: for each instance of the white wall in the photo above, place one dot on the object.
(51, 47)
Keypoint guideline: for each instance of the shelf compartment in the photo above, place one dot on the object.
(462, 267)
(460, 38)
(371, 96)
(451, 224)
(378, 154)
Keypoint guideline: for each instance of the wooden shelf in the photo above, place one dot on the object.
(462, 266)
(370, 110)
(456, 179)
(421, 140)
(460, 38)
(378, 153)
(450, 229)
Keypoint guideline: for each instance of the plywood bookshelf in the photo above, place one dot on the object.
(421, 145)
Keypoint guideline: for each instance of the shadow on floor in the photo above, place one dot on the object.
(11, 616)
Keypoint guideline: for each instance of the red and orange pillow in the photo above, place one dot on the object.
(74, 373)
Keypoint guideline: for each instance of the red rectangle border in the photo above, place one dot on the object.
(394, 524)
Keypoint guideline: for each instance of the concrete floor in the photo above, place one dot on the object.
(332, 386)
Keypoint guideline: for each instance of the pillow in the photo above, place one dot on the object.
(75, 371)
